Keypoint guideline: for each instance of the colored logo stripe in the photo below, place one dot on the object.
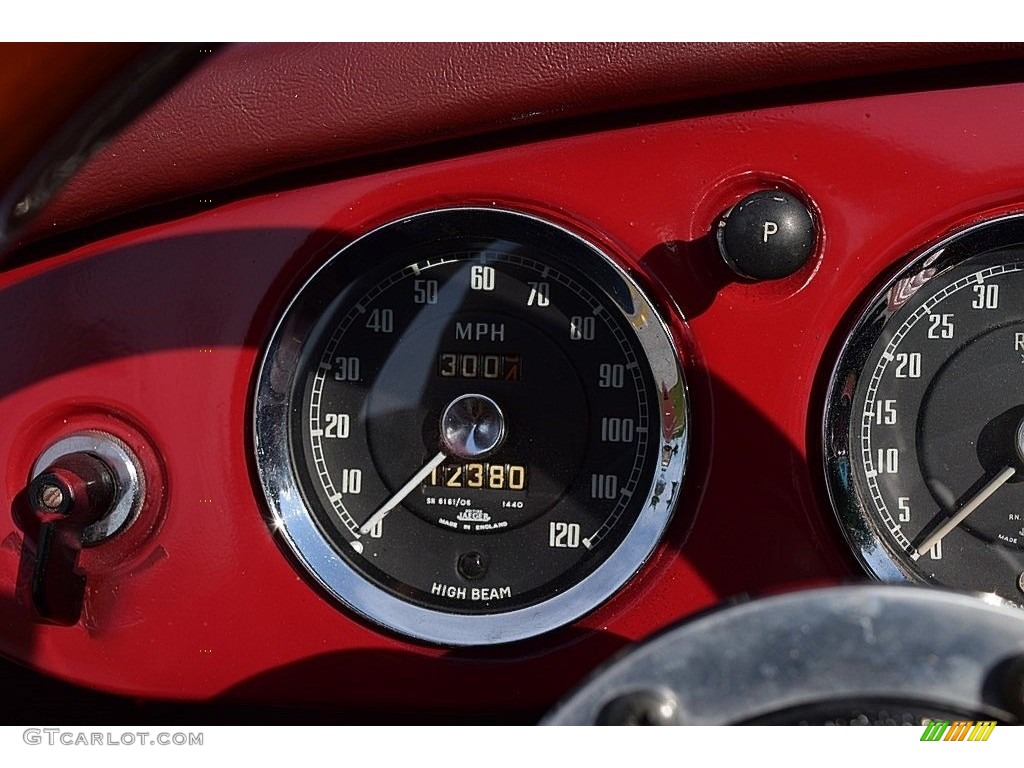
(982, 730)
(961, 730)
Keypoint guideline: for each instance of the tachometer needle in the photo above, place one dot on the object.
(972, 504)
(402, 492)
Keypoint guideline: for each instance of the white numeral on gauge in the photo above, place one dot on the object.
(615, 430)
(941, 326)
(888, 461)
(904, 504)
(481, 278)
(986, 296)
(351, 481)
(336, 425)
(424, 291)
(581, 328)
(381, 320)
(603, 486)
(885, 412)
(611, 376)
(564, 535)
(908, 365)
(346, 369)
(540, 294)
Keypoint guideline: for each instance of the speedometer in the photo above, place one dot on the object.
(471, 426)
(924, 427)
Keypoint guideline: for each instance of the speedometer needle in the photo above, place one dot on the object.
(402, 492)
(972, 504)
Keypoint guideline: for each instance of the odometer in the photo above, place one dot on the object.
(471, 426)
(925, 418)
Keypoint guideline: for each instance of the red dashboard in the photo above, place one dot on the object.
(151, 327)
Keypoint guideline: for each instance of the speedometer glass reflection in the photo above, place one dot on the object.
(471, 426)
(925, 418)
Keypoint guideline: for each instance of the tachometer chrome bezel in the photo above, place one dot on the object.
(294, 522)
(856, 519)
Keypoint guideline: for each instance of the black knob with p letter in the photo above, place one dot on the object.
(767, 235)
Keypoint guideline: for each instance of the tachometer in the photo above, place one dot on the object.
(471, 426)
(924, 428)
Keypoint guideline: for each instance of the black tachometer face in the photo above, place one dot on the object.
(485, 425)
(925, 420)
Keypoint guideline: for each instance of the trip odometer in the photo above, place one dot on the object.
(925, 418)
(470, 426)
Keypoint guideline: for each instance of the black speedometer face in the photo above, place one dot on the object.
(471, 426)
(925, 419)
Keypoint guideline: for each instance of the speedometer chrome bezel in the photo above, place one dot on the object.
(857, 520)
(292, 519)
